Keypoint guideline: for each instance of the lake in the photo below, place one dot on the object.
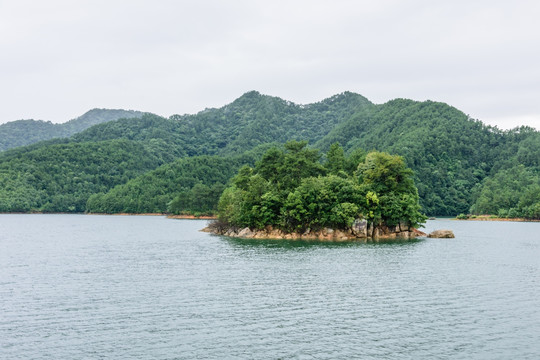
(145, 287)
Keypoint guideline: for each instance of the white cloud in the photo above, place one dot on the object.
(60, 58)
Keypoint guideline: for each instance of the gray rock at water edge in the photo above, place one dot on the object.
(441, 234)
(360, 228)
(245, 233)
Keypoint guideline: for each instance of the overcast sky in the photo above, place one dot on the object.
(61, 58)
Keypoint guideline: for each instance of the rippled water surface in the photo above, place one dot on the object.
(78, 287)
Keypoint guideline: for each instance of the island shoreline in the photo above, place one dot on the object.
(362, 233)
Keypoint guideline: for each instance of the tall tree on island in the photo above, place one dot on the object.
(291, 190)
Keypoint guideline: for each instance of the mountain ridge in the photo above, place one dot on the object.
(26, 132)
(451, 153)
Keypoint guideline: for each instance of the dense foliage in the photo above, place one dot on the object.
(250, 121)
(513, 193)
(289, 188)
(61, 177)
(513, 187)
(449, 153)
(26, 132)
(453, 157)
(186, 186)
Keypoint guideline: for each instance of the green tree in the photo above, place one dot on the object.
(512, 192)
(391, 196)
(335, 159)
(381, 192)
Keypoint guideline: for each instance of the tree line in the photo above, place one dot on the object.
(291, 189)
(452, 156)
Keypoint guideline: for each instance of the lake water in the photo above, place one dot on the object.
(141, 287)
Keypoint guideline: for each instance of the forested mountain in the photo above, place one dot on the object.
(156, 141)
(60, 177)
(453, 157)
(251, 120)
(25, 132)
(186, 185)
(449, 152)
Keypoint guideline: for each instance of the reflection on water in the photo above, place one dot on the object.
(80, 287)
(308, 244)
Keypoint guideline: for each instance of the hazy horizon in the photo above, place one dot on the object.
(61, 58)
(219, 106)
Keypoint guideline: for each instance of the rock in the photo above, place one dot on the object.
(340, 235)
(245, 233)
(417, 232)
(441, 234)
(404, 226)
(360, 227)
(406, 235)
(362, 231)
(386, 236)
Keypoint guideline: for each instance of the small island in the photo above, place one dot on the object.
(291, 194)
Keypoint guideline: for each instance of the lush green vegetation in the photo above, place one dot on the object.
(512, 193)
(450, 153)
(289, 188)
(190, 185)
(250, 121)
(26, 132)
(512, 190)
(61, 177)
(456, 161)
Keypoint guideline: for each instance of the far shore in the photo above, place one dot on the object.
(213, 217)
(202, 217)
(491, 218)
(169, 216)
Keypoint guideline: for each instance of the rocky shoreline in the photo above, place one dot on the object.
(359, 231)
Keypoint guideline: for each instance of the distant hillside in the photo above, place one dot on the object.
(457, 161)
(194, 179)
(450, 153)
(38, 176)
(59, 177)
(26, 132)
(249, 121)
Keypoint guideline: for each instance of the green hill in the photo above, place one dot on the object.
(249, 121)
(453, 156)
(191, 184)
(26, 132)
(61, 177)
(450, 153)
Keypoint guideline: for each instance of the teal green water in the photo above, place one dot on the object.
(100, 287)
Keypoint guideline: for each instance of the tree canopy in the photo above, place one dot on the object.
(289, 188)
(25, 132)
(452, 155)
